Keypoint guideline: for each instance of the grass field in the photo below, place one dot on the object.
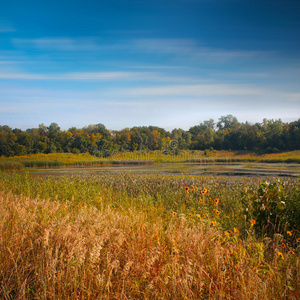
(148, 237)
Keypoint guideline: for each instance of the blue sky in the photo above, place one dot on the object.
(159, 62)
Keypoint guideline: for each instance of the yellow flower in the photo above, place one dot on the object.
(190, 214)
(292, 252)
(253, 222)
(204, 191)
(283, 245)
(196, 189)
(289, 233)
(236, 230)
(216, 201)
(174, 213)
(218, 212)
(199, 217)
(186, 188)
(230, 232)
(213, 223)
(201, 200)
(280, 255)
(298, 240)
(192, 188)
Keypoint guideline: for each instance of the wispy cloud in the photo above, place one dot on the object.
(191, 90)
(73, 76)
(59, 44)
(100, 76)
(191, 48)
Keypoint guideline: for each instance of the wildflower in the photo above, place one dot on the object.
(174, 213)
(186, 188)
(253, 222)
(203, 215)
(204, 191)
(289, 233)
(213, 223)
(192, 188)
(298, 240)
(196, 189)
(218, 212)
(230, 232)
(214, 209)
(199, 217)
(236, 230)
(216, 201)
(201, 200)
(283, 245)
(292, 252)
(280, 255)
(190, 214)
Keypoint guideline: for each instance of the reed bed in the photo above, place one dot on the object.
(143, 157)
(140, 237)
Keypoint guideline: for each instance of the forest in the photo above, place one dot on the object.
(269, 136)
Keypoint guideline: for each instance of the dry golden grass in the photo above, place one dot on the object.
(55, 250)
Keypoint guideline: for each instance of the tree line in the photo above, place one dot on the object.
(227, 134)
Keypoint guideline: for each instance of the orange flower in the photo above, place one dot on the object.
(217, 212)
(190, 214)
(199, 217)
(230, 232)
(192, 188)
(186, 188)
(298, 240)
(253, 222)
(283, 245)
(174, 213)
(292, 252)
(213, 223)
(196, 189)
(201, 200)
(204, 191)
(216, 201)
(289, 233)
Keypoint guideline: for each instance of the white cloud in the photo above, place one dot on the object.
(61, 44)
(192, 49)
(191, 90)
(97, 76)
(74, 76)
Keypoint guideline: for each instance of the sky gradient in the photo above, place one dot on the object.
(138, 63)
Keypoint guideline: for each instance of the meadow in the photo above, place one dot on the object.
(129, 236)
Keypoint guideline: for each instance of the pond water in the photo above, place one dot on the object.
(197, 169)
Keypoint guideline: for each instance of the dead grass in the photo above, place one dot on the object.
(55, 250)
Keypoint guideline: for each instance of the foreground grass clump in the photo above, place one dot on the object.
(53, 250)
(145, 237)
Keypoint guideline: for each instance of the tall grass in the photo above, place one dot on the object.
(138, 237)
(148, 157)
(10, 166)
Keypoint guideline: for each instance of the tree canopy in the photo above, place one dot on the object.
(226, 134)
